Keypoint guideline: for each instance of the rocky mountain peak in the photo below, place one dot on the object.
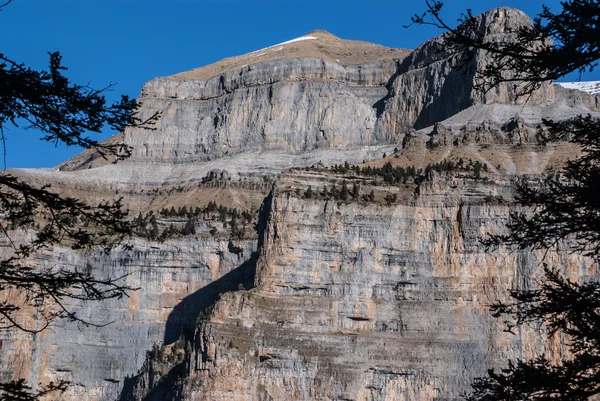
(322, 33)
(360, 276)
(318, 44)
(503, 20)
(318, 97)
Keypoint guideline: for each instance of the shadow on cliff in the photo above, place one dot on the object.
(380, 105)
(181, 324)
(182, 320)
(454, 96)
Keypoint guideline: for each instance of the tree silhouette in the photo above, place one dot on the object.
(565, 207)
(554, 45)
(61, 112)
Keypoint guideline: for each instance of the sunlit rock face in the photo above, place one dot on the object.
(364, 298)
(311, 95)
(371, 301)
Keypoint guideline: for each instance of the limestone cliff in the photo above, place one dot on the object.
(371, 299)
(380, 294)
(310, 97)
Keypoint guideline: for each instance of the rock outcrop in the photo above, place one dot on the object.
(298, 103)
(371, 299)
(377, 294)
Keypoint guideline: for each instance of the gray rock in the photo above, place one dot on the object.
(301, 105)
(350, 300)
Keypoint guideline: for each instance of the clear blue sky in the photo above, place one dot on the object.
(129, 42)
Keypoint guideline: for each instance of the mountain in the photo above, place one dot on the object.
(364, 281)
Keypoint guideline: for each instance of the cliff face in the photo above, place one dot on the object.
(371, 301)
(378, 295)
(292, 105)
(176, 279)
(297, 103)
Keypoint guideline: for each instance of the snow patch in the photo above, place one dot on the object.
(301, 38)
(591, 87)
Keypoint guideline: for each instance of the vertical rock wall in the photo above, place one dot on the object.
(371, 301)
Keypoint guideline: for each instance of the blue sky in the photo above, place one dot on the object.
(129, 42)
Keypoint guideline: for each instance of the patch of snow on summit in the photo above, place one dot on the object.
(591, 87)
(301, 38)
(295, 40)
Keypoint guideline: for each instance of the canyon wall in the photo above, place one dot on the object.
(381, 297)
(370, 300)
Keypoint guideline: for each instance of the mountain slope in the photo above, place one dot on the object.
(377, 294)
(315, 44)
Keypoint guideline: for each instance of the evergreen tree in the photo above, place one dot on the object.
(189, 228)
(153, 229)
(164, 235)
(391, 198)
(565, 209)
(212, 206)
(59, 111)
(344, 193)
(334, 191)
(477, 167)
(222, 214)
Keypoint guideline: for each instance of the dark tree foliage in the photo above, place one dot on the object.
(554, 46)
(19, 391)
(59, 111)
(568, 308)
(62, 112)
(567, 204)
(564, 207)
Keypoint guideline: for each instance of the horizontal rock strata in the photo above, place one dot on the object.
(381, 294)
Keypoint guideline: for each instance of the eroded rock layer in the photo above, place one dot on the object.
(378, 291)
(371, 301)
(297, 103)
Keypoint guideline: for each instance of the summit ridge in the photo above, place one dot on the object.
(318, 44)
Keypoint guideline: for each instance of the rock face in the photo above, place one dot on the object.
(378, 295)
(301, 104)
(177, 280)
(292, 105)
(368, 301)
